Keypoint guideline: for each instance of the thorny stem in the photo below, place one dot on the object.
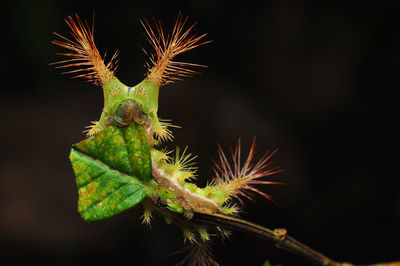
(277, 236)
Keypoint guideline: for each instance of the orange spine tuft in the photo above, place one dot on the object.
(198, 253)
(239, 180)
(161, 68)
(84, 56)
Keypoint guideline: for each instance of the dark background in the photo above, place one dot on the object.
(317, 80)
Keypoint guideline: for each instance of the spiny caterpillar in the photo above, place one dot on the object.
(119, 165)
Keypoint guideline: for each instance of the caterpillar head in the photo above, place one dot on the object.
(86, 62)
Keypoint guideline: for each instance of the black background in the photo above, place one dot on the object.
(318, 80)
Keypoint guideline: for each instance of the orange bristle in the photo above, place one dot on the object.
(85, 57)
(198, 253)
(239, 180)
(161, 68)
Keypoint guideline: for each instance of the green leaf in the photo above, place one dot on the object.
(111, 170)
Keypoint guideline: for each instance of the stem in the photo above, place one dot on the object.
(277, 236)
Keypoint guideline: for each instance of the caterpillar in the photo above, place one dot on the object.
(119, 165)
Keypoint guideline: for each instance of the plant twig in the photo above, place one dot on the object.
(277, 236)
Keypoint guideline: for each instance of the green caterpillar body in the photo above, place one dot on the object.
(119, 165)
(118, 159)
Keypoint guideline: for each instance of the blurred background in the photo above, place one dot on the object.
(318, 80)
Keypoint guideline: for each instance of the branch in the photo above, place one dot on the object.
(277, 236)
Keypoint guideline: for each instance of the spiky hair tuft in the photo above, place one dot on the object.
(85, 59)
(198, 253)
(161, 67)
(239, 180)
